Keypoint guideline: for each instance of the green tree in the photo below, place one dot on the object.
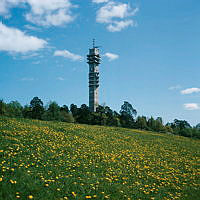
(26, 112)
(168, 129)
(116, 119)
(64, 108)
(37, 108)
(196, 132)
(53, 112)
(84, 115)
(151, 123)
(128, 109)
(141, 122)
(181, 124)
(74, 111)
(98, 118)
(198, 126)
(2, 107)
(14, 109)
(159, 125)
(127, 114)
(66, 117)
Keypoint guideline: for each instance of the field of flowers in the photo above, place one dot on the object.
(53, 160)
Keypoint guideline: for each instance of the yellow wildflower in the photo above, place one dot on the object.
(74, 194)
(13, 182)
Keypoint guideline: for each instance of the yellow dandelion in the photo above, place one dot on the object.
(30, 197)
(1, 179)
(88, 197)
(13, 182)
(74, 194)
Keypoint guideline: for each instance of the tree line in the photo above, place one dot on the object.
(104, 115)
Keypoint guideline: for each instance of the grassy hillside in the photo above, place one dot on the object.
(52, 160)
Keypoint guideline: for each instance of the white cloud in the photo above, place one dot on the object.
(30, 55)
(176, 87)
(50, 12)
(14, 40)
(111, 56)
(192, 106)
(67, 54)
(112, 10)
(190, 91)
(43, 12)
(36, 62)
(27, 79)
(99, 1)
(115, 15)
(118, 26)
(32, 28)
(60, 78)
(5, 5)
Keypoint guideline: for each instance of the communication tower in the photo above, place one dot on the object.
(93, 60)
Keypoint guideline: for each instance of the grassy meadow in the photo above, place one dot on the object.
(54, 160)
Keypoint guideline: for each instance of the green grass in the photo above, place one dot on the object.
(52, 160)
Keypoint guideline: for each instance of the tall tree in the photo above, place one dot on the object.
(127, 115)
(53, 112)
(198, 126)
(181, 124)
(14, 109)
(27, 112)
(37, 108)
(159, 124)
(141, 122)
(84, 115)
(151, 123)
(2, 107)
(128, 109)
(74, 111)
(66, 117)
(64, 108)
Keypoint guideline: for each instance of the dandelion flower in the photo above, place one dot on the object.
(74, 194)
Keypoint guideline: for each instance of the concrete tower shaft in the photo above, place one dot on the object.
(93, 61)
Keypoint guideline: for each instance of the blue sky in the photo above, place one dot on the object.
(150, 53)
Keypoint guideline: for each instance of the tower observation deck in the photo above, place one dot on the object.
(93, 60)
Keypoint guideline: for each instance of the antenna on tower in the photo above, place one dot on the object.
(93, 43)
